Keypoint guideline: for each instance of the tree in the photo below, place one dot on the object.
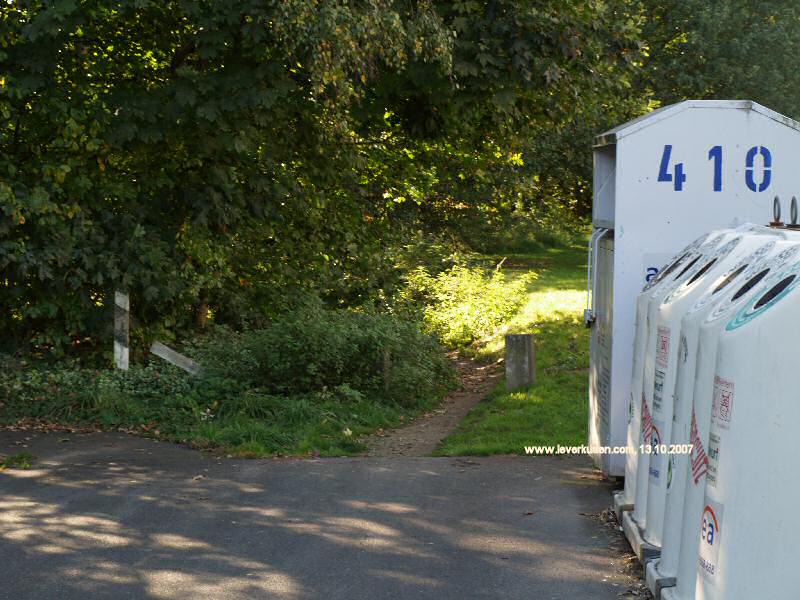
(234, 157)
(145, 145)
(738, 49)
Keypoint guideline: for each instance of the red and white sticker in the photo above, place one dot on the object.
(722, 407)
(699, 456)
(647, 422)
(662, 346)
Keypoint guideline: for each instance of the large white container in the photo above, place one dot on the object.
(660, 181)
(684, 273)
(664, 277)
(691, 507)
(668, 325)
(749, 528)
(721, 290)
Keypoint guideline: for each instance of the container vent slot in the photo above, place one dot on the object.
(687, 267)
(674, 265)
(701, 272)
(772, 293)
(729, 279)
(750, 284)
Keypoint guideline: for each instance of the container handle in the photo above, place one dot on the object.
(591, 275)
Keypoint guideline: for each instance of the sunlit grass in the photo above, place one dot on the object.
(553, 410)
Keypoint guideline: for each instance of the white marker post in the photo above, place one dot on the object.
(176, 358)
(122, 315)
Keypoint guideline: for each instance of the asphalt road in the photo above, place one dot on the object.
(115, 516)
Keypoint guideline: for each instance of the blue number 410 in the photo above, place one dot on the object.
(678, 178)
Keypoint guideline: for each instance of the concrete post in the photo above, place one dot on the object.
(520, 361)
(176, 358)
(122, 312)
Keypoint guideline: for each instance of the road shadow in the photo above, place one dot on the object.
(113, 516)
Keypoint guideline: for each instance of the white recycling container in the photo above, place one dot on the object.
(749, 525)
(662, 571)
(626, 496)
(668, 317)
(684, 273)
(700, 398)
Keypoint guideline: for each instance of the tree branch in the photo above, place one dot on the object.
(181, 55)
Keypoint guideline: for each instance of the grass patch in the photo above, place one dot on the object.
(314, 381)
(311, 383)
(554, 409)
(21, 460)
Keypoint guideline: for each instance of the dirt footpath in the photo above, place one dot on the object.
(422, 436)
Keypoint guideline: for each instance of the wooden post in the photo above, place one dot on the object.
(122, 317)
(387, 370)
(520, 361)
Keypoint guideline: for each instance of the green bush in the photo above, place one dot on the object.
(530, 233)
(311, 381)
(39, 392)
(72, 394)
(314, 350)
(464, 304)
